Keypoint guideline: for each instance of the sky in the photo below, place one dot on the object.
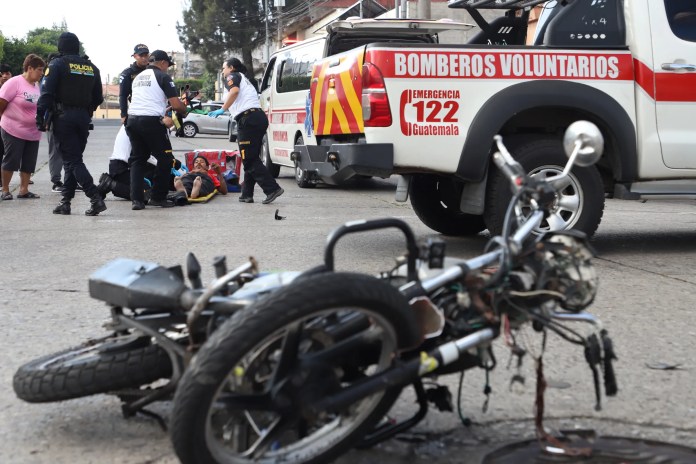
(107, 30)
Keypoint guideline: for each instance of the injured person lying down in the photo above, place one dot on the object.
(202, 180)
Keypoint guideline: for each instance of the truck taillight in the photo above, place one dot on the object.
(375, 104)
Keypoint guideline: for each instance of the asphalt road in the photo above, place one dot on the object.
(646, 299)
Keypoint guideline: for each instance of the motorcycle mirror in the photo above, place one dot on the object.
(591, 139)
(193, 270)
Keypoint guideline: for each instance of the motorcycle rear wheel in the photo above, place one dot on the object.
(99, 366)
(247, 395)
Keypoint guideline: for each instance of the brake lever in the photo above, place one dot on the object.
(593, 355)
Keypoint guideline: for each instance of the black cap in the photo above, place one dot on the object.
(159, 55)
(140, 48)
(68, 44)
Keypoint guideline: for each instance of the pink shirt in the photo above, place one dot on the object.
(19, 117)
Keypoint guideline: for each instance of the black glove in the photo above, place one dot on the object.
(40, 123)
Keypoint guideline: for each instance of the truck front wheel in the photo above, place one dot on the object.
(435, 200)
(578, 205)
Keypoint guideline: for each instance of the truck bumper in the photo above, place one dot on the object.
(339, 162)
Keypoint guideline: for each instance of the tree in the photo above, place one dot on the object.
(215, 28)
(41, 41)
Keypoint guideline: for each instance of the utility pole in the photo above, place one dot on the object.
(423, 9)
(279, 5)
(268, 55)
(106, 97)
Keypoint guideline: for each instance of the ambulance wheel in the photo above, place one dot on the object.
(274, 169)
(435, 200)
(189, 129)
(578, 205)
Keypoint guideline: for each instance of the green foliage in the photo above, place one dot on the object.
(42, 41)
(195, 84)
(218, 29)
(208, 89)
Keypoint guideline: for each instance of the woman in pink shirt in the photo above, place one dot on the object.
(18, 97)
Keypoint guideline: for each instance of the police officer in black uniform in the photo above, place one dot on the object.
(71, 91)
(141, 53)
(147, 128)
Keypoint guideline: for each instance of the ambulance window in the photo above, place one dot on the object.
(682, 18)
(304, 76)
(285, 79)
(268, 75)
(296, 67)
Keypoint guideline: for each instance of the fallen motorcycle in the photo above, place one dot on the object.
(310, 371)
(157, 323)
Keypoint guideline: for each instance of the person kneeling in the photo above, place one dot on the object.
(202, 180)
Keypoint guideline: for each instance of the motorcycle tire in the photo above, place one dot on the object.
(99, 366)
(244, 350)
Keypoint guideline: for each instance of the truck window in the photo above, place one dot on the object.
(682, 18)
(588, 24)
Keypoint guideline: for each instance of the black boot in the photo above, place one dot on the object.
(106, 184)
(63, 207)
(97, 205)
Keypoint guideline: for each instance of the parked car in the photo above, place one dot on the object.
(232, 130)
(198, 121)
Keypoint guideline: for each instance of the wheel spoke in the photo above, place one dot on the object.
(268, 437)
(556, 222)
(288, 352)
(246, 402)
(569, 203)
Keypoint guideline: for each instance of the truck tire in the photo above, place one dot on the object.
(435, 200)
(579, 205)
(301, 176)
(274, 169)
(104, 365)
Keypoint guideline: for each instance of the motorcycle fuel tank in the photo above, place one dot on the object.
(136, 284)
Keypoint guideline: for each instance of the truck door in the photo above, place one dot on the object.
(673, 24)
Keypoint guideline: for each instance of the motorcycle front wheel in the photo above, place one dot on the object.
(249, 393)
(108, 364)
